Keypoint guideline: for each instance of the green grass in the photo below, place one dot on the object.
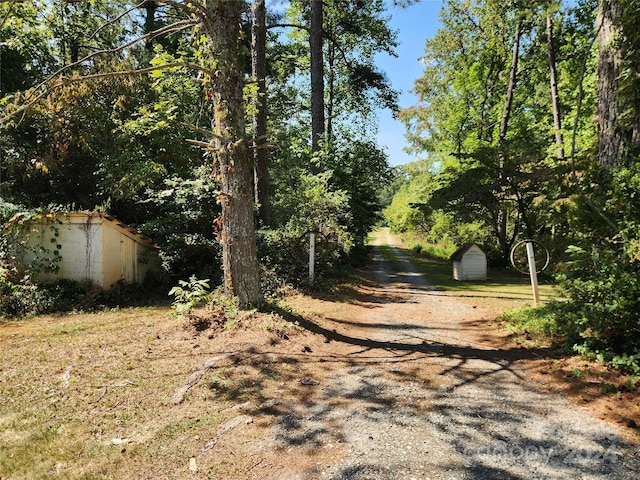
(503, 290)
(537, 325)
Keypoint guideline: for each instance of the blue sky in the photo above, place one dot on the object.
(414, 25)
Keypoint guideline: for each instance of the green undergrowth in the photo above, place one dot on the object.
(547, 325)
(536, 324)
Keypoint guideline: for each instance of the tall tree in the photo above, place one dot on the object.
(474, 123)
(259, 74)
(610, 139)
(355, 32)
(221, 53)
(221, 26)
(553, 84)
(618, 72)
(503, 213)
(316, 42)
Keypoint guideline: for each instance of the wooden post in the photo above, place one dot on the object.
(312, 256)
(533, 273)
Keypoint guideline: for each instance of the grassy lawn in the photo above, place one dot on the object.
(503, 290)
(88, 396)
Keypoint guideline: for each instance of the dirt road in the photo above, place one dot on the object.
(423, 396)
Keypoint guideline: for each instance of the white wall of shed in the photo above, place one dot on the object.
(80, 252)
(472, 267)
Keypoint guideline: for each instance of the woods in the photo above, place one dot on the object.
(536, 142)
(227, 131)
(180, 117)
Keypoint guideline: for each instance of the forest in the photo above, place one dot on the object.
(227, 131)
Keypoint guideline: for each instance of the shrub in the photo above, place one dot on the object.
(604, 301)
(189, 295)
(602, 275)
(314, 207)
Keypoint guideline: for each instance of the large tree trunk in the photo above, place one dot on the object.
(259, 73)
(331, 58)
(513, 74)
(503, 180)
(610, 138)
(317, 76)
(239, 257)
(555, 98)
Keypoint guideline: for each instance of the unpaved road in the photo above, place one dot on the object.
(423, 398)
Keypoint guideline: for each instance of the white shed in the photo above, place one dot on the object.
(469, 263)
(91, 246)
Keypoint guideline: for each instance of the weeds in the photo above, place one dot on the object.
(189, 295)
(535, 322)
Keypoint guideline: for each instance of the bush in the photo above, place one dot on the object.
(602, 276)
(314, 207)
(286, 253)
(17, 298)
(603, 309)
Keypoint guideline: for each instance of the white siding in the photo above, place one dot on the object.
(458, 273)
(128, 259)
(92, 248)
(472, 267)
(80, 248)
(111, 255)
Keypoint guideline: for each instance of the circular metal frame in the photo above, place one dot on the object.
(524, 242)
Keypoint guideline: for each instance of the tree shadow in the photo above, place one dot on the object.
(480, 418)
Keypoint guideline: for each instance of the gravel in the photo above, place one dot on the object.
(481, 419)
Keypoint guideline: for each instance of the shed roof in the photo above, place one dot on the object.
(459, 253)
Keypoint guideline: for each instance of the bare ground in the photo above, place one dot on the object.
(389, 379)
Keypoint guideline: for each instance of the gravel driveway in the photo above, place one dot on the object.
(480, 417)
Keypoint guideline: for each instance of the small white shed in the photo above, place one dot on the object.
(469, 263)
(92, 246)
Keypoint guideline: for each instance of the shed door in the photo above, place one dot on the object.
(129, 259)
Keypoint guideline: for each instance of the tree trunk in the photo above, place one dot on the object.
(631, 47)
(317, 77)
(330, 94)
(555, 98)
(259, 73)
(506, 112)
(610, 139)
(503, 213)
(150, 21)
(239, 257)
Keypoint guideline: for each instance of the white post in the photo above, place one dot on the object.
(533, 273)
(312, 256)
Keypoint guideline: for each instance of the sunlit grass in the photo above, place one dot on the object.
(503, 290)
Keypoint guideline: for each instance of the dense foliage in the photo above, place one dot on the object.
(515, 101)
(602, 275)
(98, 98)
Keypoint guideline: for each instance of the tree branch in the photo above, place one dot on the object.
(167, 29)
(328, 35)
(199, 143)
(202, 131)
(6, 17)
(100, 76)
(116, 19)
(288, 25)
(186, 7)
